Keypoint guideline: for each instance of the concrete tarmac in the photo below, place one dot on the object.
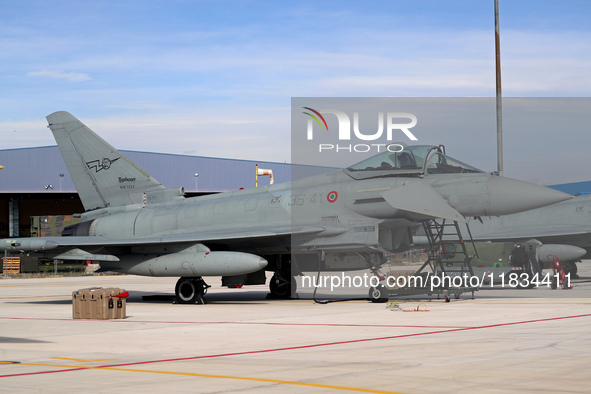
(505, 340)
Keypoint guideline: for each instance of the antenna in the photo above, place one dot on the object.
(499, 97)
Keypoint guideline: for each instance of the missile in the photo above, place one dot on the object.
(27, 244)
(186, 264)
(563, 252)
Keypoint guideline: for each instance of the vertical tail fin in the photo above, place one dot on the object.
(102, 175)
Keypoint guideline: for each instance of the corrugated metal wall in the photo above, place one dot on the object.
(37, 170)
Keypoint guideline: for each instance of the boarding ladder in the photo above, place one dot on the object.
(445, 239)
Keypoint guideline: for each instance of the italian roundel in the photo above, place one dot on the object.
(332, 196)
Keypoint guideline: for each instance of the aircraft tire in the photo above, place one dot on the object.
(571, 268)
(526, 283)
(378, 294)
(189, 291)
(279, 287)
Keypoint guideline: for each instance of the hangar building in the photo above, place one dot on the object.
(36, 182)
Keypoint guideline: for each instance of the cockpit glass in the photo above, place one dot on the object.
(411, 159)
(442, 164)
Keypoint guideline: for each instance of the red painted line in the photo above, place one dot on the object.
(236, 323)
(20, 297)
(298, 324)
(309, 346)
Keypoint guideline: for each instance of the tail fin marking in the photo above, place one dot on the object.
(102, 175)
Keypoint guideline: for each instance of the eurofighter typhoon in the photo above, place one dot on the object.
(140, 227)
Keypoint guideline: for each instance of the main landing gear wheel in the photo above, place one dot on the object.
(570, 267)
(190, 291)
(378, 294)
(525, 282)
(279, 287)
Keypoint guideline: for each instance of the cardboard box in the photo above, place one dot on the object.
(99, 303)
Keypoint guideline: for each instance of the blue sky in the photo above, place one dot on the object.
(215, 78)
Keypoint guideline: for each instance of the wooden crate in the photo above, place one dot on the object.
(12, 265)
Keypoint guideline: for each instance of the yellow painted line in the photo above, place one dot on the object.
(200, 375)
(83, 361)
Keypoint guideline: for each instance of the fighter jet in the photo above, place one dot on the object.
(133, 224)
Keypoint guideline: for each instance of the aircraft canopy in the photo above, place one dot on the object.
(418, 159)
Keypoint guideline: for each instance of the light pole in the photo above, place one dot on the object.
(499, 94)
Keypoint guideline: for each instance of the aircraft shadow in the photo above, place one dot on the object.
(20, 340)
(44, 302)
(238, 297)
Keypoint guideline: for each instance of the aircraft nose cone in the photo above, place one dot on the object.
(509, 196)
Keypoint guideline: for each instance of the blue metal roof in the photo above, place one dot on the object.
(37, 170)
(575, 188)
